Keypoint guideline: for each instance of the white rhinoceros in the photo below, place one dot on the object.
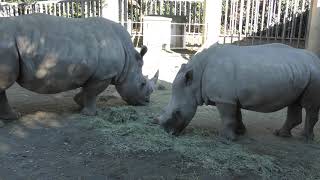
(48, 54)
(262, 78)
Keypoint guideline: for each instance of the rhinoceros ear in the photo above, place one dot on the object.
(143, 50)
(189, 77)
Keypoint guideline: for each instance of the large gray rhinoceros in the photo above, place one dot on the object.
(263, 78)
(48, 54)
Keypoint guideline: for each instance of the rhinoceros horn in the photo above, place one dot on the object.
(153, 80)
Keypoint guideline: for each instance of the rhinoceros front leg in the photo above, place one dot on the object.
(312, 115)
(228, 114)
(294, 118)
(6, 112)
(88, 96)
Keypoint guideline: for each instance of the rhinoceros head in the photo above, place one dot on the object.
(182, 105)
(136, 88)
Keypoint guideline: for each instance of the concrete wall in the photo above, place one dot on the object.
(213, 22)
(110, 10)
(152, 25)
(313, 38)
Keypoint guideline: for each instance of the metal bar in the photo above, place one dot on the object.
(76, 9)
(126, 14)
(195, 16)
(247, 17)
(278, 19)
(251, 18)
(131, 14)
(89, 9)
(293, 26)
(236, 16)
(285, 21)
(189, 24)
(151, 7)
(226, 17)
(72, 9)
(241, 16)
(262, 18)
(101, 7)
(165, 7)
(170, 2)
(231, 16)
(82, 9)
(270, 21)
(300, 23)
(175, 7)
(180, 8)
(273, 17)
(257, 5)
(307, 27)
(185, 7)
(290, 19)
(155, 7)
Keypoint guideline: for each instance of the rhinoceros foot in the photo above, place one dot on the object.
(89, 112)
(308, 137)
(11, 116)
(228, 134)
(282, 133)
(241, 129)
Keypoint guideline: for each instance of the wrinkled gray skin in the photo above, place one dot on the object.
(48, 54)
(263, 78)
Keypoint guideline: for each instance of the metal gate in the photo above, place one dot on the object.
(66, 8)
(247, 22)
(187, 25)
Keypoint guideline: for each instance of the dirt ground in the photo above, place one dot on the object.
(53, 141)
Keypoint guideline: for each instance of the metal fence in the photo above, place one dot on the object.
(247, 22)
(66, 8)
(187, 16)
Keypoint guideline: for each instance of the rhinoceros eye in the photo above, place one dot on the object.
(143, 84)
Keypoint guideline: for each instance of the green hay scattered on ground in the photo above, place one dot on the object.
(127, 130)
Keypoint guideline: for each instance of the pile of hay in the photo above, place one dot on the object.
(128, 130)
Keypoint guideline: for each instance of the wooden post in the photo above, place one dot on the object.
(212, 21)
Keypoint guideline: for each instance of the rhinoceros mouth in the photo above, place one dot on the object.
(174, 126)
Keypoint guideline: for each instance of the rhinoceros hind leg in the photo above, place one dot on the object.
(228, 114)
(6, 112)
(78, 98)
(89, 94)
(294, 118)
(312, 115)
(240, 127)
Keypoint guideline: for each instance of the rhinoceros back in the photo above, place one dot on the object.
(58, 54)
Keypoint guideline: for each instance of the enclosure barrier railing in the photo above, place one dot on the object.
(246, 22)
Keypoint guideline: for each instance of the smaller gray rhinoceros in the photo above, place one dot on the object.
(48, 54)
(262, 78)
